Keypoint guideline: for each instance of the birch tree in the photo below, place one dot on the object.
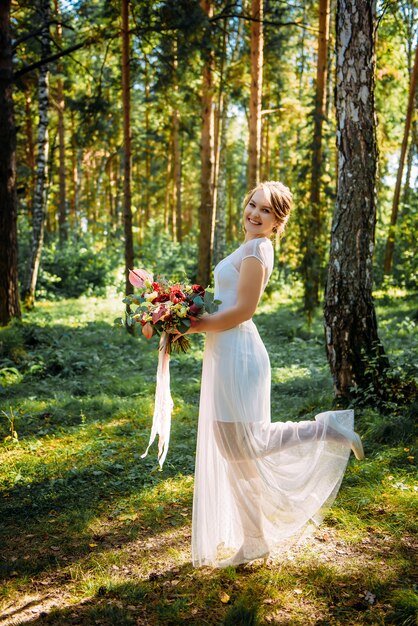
(39, 200)
(355, 353)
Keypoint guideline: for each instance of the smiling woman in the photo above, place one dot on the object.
(258, 484)
(266, 210)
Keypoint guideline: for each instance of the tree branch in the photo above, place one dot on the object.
(248, 18)
(53, 57)
(37, 32)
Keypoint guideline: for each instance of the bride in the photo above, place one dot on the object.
(258, 485)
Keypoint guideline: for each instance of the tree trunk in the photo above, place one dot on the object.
(312, 257)
(206, 152)
(265, 148)
(390, 244)
(74, 177)
(167, 192)
(172, 191)
(127, 158)
(62, 213)
(9, 291)
(30, 147)
(39, 200)
(355, 353)
(254, 149)
(219, 183)
(176, 149)
(147, 143)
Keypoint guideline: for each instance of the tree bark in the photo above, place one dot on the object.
(147, 143)
(206, 213)
(355, 353)
(220, 135)
(176, 149)
(62, 212)
(9, 292)
(74, 177)
(312, 257)
(256, 90)
(39, 200)
(390, 243)
(127, 153)
(30, 147)
(222, 200)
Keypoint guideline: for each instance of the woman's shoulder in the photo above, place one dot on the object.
(261, 248)
(259, 244)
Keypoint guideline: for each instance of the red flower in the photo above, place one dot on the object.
(198, 289)
(176, 294)
(194, 309)
(164, 297)
(156, 286)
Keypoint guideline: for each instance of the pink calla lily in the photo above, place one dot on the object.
(158, 314)
(137, 278)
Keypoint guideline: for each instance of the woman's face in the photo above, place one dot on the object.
(259, 218)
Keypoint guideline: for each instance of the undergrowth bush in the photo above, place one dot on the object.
(76, 267)
(159, 254)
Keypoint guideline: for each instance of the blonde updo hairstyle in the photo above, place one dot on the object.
(280, 198)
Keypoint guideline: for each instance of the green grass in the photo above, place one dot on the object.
(93, 534)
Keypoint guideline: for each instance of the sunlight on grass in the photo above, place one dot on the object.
(89, 528)
(78, 311)
(285, 374)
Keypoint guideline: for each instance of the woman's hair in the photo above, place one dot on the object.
(280, 198)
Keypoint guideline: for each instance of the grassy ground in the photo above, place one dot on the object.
(93, 534)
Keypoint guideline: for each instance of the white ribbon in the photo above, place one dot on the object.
(161, 422)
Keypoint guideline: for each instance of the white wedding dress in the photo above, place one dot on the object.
(259, 485)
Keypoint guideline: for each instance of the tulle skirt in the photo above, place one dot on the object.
(258, 485)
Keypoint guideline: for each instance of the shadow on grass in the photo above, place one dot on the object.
(45, 523)
(252, 595)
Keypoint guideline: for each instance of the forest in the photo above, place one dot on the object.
(131, 131)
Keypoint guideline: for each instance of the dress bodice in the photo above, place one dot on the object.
(228, 270)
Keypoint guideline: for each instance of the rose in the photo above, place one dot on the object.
(137, 278)
(147, 330)
(198, 289)
(194, 309)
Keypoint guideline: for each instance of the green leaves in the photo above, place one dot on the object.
(198, 301)
(211, 305)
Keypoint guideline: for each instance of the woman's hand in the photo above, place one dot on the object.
(193, 328)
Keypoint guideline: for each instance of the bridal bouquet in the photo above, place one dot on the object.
(166, 310)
